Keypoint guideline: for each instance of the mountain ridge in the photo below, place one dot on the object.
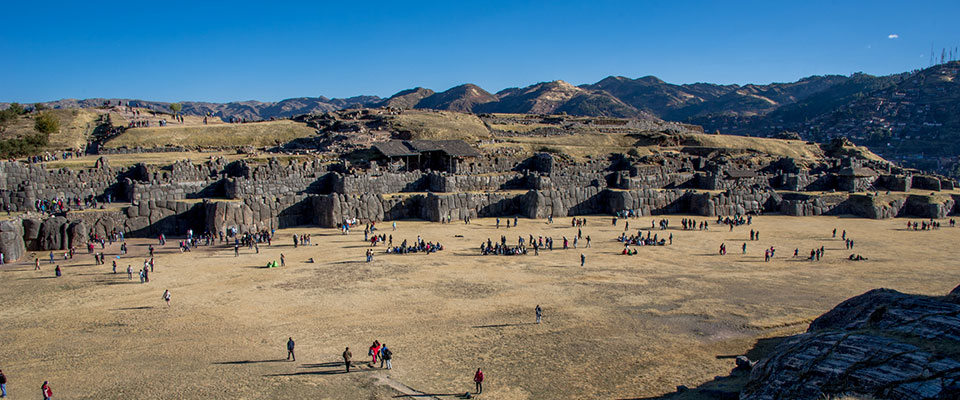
(819, 107)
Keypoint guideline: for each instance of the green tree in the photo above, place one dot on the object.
(39, 106)
(16, 109)
(46, 123)
(176, 107)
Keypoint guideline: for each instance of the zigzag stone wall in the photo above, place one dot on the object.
(279, 195)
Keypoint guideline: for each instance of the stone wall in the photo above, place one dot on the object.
(23, 184)
(926, 182)
(388, 182)
(449, 183)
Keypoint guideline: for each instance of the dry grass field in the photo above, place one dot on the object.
(443, 125)
(257, 134)
(620, 327)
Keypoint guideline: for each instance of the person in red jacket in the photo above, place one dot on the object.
(478, 379)
(47, 393)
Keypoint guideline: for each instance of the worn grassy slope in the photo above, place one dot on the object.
(75, 126)
(439, 125)
(257, 134)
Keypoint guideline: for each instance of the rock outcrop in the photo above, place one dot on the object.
(11, 240)
(883, 344)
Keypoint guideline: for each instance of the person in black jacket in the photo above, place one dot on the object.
(290, 345)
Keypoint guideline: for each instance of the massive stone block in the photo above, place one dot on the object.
(52, 232)
(11, 240)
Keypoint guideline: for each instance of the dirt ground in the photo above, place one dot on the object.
(620, 327)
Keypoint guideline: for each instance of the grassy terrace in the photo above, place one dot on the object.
(257, 134)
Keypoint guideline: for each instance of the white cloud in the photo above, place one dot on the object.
(893, 36)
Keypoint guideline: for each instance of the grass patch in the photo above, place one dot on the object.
(257, 134)
(433, 125)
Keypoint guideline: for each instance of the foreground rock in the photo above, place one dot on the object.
(883, 344)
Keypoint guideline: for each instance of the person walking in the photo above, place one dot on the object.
(347, 356)
(539, 313)
(583, 259)
(166, 297)
(478, 379)
(290, 353)
(3, 384)
(45, 389)
(385, 356)
(283, 260)
(129, 273)
(374, 352)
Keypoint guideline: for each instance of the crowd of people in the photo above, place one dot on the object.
(640, 240)
(419, 246)
(926, 225)
(689, 224)
(54, 156)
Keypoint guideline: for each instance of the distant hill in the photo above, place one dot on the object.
(557, 97)
(680, 102)
(912, 118)
(405, 98)
(463, 98)
(248, 110)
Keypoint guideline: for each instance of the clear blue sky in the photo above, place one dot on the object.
(239, 50)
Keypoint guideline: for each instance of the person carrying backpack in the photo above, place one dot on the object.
(385, 356)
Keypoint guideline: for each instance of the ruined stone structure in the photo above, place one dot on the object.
(216, 196)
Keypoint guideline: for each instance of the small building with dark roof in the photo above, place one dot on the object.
(437, 155)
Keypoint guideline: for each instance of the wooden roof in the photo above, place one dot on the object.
(395, 148)
(454, 148)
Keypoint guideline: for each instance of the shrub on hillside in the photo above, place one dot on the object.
(11, 113)
(46, 123)
(24, 146)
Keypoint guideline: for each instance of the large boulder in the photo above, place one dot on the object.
(31, 232)
(11, 240)
(76, 234)
(51, 236)
(883, 344)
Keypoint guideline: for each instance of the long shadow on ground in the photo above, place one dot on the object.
(504, 325)
(249, 362)
(722, 387)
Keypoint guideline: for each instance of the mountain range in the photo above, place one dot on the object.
(911, 117)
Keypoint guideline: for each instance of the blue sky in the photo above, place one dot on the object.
(178, 51)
